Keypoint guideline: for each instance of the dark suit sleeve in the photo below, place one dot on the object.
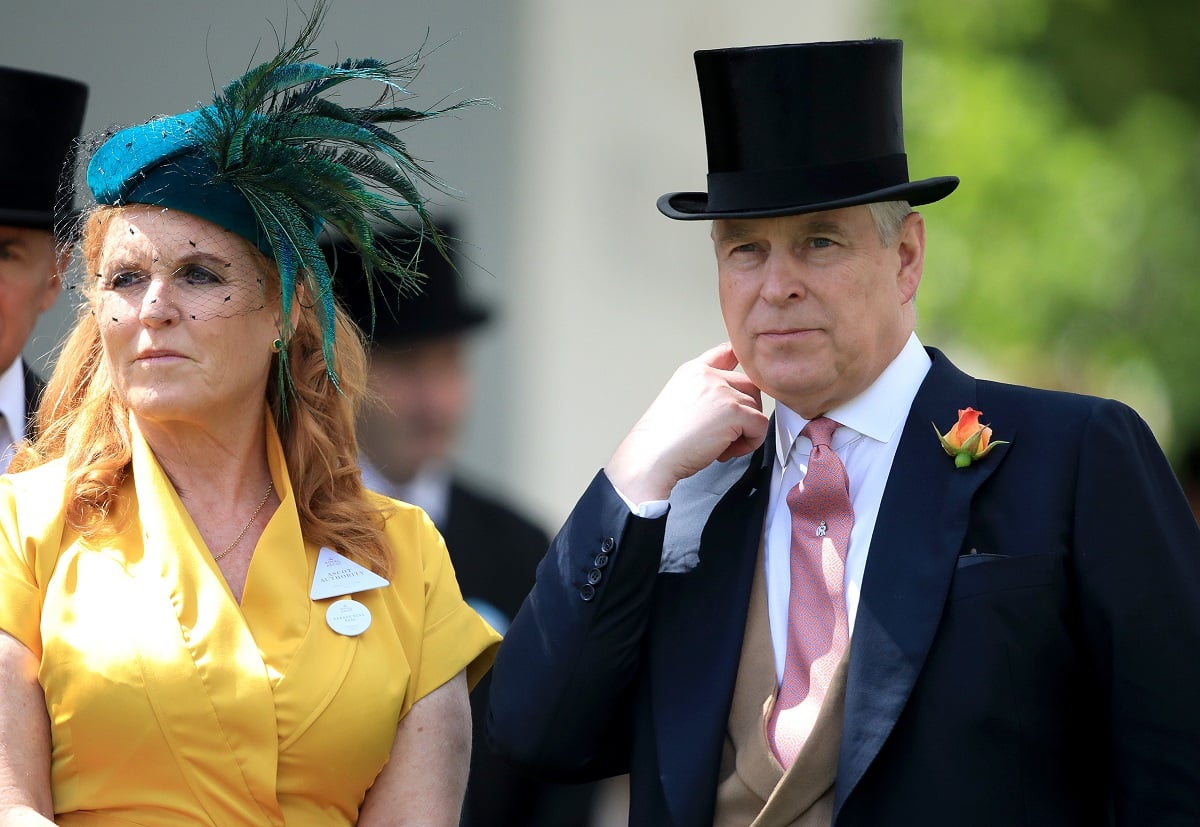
(563, 684)
(1138, 553)
(34, 388)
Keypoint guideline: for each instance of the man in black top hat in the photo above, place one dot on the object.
(40, 117)
(420, 375)
(869, 608)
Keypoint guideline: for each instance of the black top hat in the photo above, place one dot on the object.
(438, 310)
(40, 118)
(802, 128)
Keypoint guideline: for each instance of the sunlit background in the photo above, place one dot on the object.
(1066, 259)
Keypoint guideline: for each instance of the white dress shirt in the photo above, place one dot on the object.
(429, 490)
(866, 443)
(12, 410)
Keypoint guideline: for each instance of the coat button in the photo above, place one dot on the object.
(607, 545)
(601, 560)
(595, 576)
(587, 592)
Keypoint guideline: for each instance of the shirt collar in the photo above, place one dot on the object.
(429, 489)
(878, 412)
(12, 399)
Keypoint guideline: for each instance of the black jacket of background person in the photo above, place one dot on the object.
(495, 552)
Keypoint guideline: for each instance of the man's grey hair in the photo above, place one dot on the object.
(889, 218)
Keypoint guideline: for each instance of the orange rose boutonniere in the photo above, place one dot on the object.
(968, 440)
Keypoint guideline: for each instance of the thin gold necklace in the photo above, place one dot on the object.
(253, 517)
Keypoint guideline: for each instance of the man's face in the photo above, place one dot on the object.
(29, 284)
(423, 390)
(815, 305)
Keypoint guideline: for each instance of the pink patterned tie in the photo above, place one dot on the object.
(818, 630)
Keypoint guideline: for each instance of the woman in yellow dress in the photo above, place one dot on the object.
(204, 617)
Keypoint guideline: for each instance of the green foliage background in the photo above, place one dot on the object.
(1069, 255)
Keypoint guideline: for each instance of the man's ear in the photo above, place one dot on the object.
(910, 246)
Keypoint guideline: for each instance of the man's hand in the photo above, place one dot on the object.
(706, 412)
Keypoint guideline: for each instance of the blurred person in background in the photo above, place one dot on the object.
(40, 118)
(421, 393)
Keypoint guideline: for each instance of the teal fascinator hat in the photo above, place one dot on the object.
(275, 160)
(164, 163)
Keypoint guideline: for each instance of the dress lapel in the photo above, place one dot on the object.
(305, 661)
(697, 631)
(922, 522)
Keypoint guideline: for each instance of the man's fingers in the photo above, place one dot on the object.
(721, 357)
(751, 428)
(754, 430)
(742, 384)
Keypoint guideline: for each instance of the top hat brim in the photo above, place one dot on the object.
(693, 206)
(31, 219)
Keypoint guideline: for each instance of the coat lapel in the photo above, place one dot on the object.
(918, 535)
(34, 386)
(698, 626)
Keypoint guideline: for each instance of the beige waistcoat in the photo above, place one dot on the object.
(752, 787)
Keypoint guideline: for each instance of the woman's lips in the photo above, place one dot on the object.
(157, 355)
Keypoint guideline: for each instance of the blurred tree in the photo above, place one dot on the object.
(1068, 256)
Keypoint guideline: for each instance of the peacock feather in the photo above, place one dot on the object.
(304, 162)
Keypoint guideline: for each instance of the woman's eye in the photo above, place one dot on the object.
(125, 278)
(195, 274)
(822, 242)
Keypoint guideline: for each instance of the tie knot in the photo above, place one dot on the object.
(820, 430)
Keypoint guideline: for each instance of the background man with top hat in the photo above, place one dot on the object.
(869, 608)
(40, 117)
(420, 376)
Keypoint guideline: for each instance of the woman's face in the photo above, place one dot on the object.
(184, 317)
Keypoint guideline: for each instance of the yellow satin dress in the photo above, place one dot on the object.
(170, 704)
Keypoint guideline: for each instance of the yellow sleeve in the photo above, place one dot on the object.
(20, 600)
(30, 522)
(455, 636)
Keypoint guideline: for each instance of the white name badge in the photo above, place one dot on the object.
(348, 617)
(337, 575)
